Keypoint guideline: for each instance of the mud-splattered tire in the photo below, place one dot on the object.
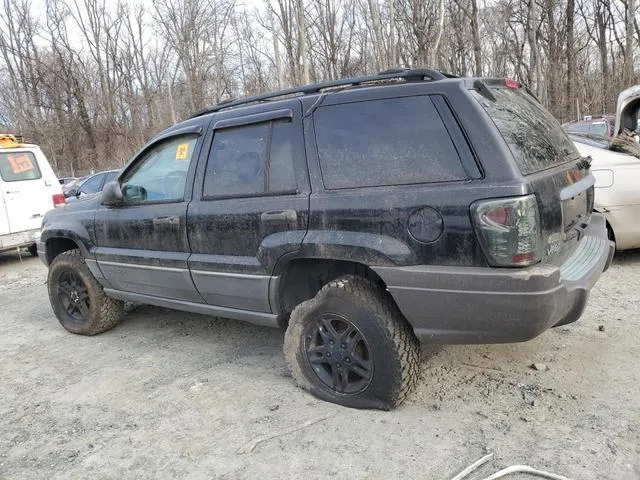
(350, 345)
(77, 298)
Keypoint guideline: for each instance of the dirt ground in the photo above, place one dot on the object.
(174, 395)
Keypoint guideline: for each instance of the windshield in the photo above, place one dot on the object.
(535, 138)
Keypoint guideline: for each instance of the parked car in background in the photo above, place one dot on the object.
(595, 126)
(28, 190)
(91, 185)
(72, 186)
(67, 180)
(615, 164)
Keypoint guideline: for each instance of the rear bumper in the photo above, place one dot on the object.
(493, 305)
(19, 239)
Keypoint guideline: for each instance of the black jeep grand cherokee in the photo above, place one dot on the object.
(367, 214)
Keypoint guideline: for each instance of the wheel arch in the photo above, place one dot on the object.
(56, 245)
(301, 279)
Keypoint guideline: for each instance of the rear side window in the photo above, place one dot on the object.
(18, 166)
(396, 141)
(251, 160)
(535, 138)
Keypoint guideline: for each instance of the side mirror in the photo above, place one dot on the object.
(111, 194)
(71, 193)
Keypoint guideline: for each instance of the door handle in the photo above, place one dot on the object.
(9, 192)
(279, 216)
(168, 220)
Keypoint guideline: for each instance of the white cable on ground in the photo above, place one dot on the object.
(525, 469)
(475, 465)
(507, 471)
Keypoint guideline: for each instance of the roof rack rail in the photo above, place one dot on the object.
(407, 74)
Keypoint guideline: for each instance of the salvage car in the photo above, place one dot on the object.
(366, 215)
(616, 168)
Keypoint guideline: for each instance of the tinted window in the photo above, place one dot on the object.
(15, 167)
(160, 175)
(110, 177)
(599, 129)
(92, 184)
(534, 136)
(384, 142)
(252, 160)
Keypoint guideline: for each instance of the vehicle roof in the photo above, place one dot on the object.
(21, 146)
(101, 172)
(406, 75)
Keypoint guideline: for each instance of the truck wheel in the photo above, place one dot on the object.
(350, 345)
(77, 298)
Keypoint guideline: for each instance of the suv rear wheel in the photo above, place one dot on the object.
(77, 298)
(350, 345)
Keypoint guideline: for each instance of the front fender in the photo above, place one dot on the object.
(69, 224)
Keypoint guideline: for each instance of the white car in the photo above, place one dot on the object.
(617, 174)
(28, 189)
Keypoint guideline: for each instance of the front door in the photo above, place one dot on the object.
(142, 245)
(252, 208)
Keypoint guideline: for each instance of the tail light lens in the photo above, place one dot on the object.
(58, 200)
(509, 230)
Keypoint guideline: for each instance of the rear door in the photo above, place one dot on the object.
(142, 245)
(26, 191)
(250, 207)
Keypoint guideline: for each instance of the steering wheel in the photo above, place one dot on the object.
(174, 184)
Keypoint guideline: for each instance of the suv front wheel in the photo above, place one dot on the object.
(77, 298)
(350, 345)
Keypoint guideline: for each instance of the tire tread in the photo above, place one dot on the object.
(109, 312)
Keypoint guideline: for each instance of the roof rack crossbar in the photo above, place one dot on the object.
(410, 75)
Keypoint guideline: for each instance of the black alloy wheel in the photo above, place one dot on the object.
(339, 354)
(73, 295)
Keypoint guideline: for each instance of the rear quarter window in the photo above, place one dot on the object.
(19, 166)
(536, 139)
(397, 141)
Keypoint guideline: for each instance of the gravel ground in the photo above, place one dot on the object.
(175, 395)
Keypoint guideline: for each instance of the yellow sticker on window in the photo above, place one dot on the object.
(182, 153)
(20, 163)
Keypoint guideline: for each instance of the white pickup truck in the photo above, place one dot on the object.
(28, 189)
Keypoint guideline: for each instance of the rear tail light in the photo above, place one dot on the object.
(58, 200)
(511, 83)
(509, 230)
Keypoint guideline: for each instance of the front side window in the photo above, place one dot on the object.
(92, 184)
(161, 174)
(397, 141)
(19, 166)
(252, 160)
